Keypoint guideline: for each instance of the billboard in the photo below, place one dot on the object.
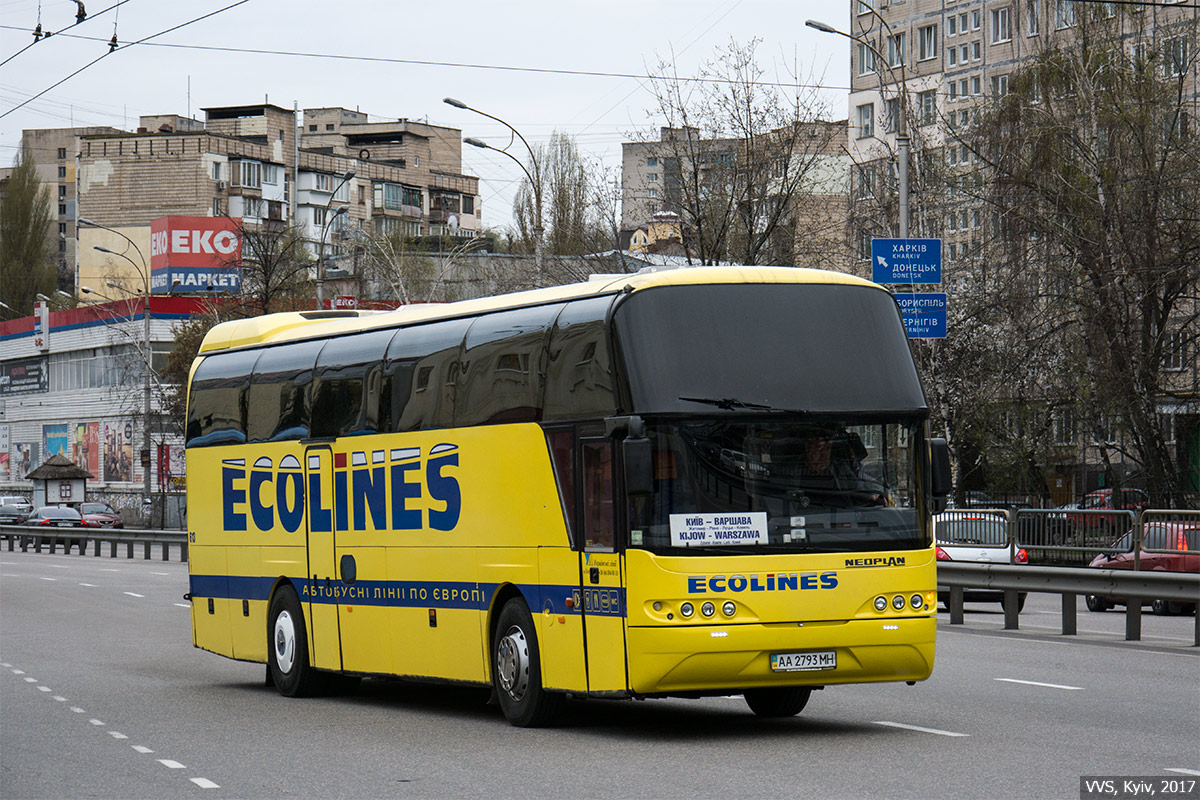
(195, 255)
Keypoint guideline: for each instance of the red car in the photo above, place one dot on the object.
(1171, 537)
(100, 515)
(1103, 500)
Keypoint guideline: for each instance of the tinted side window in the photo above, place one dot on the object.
(419, 376)
(346, 390)
(278, 401)
(503, 365)
(579, 379)
(216, 409)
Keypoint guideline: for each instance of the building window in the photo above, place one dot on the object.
(866, 121)
(866, 181)
(952, 56)
(866, 59)
(252, 207)
(891, 114)
(62, 191)
(468, 204)
(216, 171)
(1001, 31)
(975, 85)
(927, 42)
(652, 192)
(1033, 25)
(328, 126)
(1175, 56)
(312, 128)
(896, 50)
(999, 85)
(62, 245)
(976, 20)
(1064, 14)
(216, 207)
(951, 26)
(270, 174)
(249, 174)
(1064, 426)
(62, 153)
(964, 53)
(62, 229)
(62, 209)
(1174, 352)
(952, 86)
(652, 177)
(927, 105)
(652, 161)
(62, 172)
(976, 50)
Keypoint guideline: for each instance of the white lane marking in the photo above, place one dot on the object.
(116, 735)
(60, 698)
(103, 569)
(134, 594)
(89, 585)
(96, 722)
(44, 578)
(182, 605)
(161, 573)
(43, 688)
(31, 680)
(77, 709)
(169, 764)
(1183, 771)
(919, 729)
(141, 748)
(18, 672)
(6, 666)
(1047, 685)
(205, 783)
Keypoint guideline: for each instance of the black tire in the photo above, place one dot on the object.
(517, 670)
(1096, 603)
(1020, 602)
(287, 647)
(784, 701)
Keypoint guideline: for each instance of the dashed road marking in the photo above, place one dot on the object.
(171, 764)
(116, 735)
(134, 594)
(205, 783)
(1046, 685)
(96, 722)
(141, 748)
(919, 729)
(1183, 771)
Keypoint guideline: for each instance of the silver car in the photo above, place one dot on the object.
(977, 537)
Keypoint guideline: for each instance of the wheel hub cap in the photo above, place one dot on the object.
(512, 663)
(285, 642)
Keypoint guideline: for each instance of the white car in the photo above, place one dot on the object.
(17, 502)
(976, 537)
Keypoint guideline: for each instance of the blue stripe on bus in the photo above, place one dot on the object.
(602, 601)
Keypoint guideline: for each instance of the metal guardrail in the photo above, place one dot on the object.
(81, 539)
(1070, 582)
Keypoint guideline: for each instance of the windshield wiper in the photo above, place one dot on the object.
(728, 403)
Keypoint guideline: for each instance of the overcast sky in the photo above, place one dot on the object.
(518, 60)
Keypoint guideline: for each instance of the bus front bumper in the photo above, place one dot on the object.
(713, 658)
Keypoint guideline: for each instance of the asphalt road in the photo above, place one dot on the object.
(102, 695)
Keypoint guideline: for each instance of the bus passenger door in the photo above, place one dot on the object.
(318, 596)
(602, 583)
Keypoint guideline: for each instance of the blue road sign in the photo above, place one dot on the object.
(906, 260)
(924, 314)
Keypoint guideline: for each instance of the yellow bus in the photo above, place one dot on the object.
(698, 482)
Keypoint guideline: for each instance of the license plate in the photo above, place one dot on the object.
(802, 662)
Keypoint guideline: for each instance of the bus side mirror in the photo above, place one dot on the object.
(939, 473)
(639, 466)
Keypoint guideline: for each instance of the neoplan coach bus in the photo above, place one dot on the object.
(710, 481)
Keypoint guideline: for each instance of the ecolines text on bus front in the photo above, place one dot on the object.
(364, 490)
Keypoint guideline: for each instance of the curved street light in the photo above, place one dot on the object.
(538, 229)
(348, 176)
(902, 142)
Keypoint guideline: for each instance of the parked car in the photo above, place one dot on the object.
(12, 515)
(977, 538)
(1170, 537)
(18, 502)
(1107, 500)
(100, 515)
(55, 517)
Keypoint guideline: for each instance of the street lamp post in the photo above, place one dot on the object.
(902, 141)
(147, 355)
(321, 263)
(324, 227)
(538, 229)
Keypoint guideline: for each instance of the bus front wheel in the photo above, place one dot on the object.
(517, 670)
(287, 646)
(784, 701)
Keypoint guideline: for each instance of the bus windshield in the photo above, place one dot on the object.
(735, 486)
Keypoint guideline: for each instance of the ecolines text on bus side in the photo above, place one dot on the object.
(364, 490)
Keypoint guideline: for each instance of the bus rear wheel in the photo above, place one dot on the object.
(287, 647)
(517, 670)
(784, 701)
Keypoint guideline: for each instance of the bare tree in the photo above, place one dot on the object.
(1097, 192)
(738, 156)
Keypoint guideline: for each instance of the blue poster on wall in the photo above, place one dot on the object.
(57, 439)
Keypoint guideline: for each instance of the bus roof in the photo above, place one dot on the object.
(290, 326)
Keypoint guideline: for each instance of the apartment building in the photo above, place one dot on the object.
(258, 164)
